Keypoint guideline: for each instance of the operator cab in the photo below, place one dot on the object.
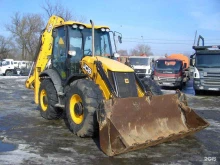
(73, 42)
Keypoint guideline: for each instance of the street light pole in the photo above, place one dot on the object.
(143, 45)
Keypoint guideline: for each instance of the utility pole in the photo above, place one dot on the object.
(143, 45)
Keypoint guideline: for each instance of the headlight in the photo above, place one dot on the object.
(178, 78)
(156, 78)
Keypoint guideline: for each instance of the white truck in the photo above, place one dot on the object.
(141, 65)
(7, 67)
(206, 63)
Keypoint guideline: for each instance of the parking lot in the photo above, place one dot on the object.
(27, 138)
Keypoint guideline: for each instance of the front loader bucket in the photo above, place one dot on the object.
(127, 124)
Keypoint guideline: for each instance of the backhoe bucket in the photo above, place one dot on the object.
(127, 124)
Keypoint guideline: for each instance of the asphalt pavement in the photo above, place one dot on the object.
(27, 138)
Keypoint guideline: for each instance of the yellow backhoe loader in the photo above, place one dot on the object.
(75, 75)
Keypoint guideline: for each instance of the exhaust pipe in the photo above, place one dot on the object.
(93, 38)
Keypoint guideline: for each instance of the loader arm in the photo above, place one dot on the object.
(42, 55)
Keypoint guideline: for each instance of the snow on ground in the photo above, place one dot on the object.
(14, 77)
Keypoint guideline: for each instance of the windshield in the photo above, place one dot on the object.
(138, 61)
(81, 42)
(208, 60)
(4, 63)
(168, 65)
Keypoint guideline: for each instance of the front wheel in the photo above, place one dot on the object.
(9, 73)
(83, 98)
(198, 92)
(181, 86)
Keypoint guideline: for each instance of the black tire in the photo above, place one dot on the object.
(181, 86)
(184, 83)
(8, 73)
(47, 100)
(91, 98)
(198, 92)
(152, 86)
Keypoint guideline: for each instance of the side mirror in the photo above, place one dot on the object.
(120, 39)
(116, 55)
(192, 61)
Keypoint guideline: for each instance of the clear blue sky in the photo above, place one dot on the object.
(167, 26)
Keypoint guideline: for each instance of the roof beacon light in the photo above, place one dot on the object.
(75, 26)
(81, 27)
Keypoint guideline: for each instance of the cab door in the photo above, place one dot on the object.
(59, 53)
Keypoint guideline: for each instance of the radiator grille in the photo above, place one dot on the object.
(140, 70)
(211, 82)
(123, 83)
(167, 78)
(212, 74)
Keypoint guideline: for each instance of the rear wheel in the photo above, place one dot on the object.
(82, 100)
(47, 100)
(152, 86)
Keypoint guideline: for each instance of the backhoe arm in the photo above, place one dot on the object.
(44, 50)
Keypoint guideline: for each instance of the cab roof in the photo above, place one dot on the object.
(80, 23)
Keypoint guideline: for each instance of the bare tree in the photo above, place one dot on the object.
(5, 47)
(52, 8)
(25, 30)
(141, 49)
(123, 52)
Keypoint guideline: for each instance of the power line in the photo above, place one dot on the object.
(153, 39)
(173, 50)
(157, 42)
(182, 43)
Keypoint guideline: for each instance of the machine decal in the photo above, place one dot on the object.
(87, 69)
(126, 81)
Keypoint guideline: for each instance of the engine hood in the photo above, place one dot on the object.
(108, 63)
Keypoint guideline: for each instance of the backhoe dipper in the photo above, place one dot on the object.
(75, 74)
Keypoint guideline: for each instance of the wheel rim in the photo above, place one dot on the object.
(43, 100)
(76, 109)
(9, 73)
